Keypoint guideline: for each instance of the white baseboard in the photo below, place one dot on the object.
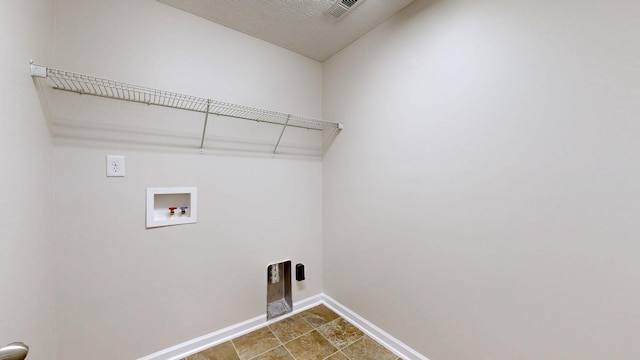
(206, 341)
(201, 343)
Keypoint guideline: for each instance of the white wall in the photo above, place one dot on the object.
(125, 291)
(26, 254)
(483, 201)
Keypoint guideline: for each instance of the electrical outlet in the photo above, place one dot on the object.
(115, 165)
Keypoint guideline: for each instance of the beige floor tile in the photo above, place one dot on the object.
(333, 338)
(279, 353)
(311, 346)
(224, 351)
(255, 343)
(340, 332)
(337, 356)
(319, 315)
(290, 328)
(367, 349)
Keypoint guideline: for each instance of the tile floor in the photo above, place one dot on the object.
(314, 334)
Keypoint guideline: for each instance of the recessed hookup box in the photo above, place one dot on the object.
(279, 289)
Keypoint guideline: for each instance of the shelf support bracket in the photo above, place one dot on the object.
(332, 137)
(204, 129)
(280, 138)
(37, 70)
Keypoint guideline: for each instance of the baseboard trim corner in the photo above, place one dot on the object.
(190, 347)
(391, 343)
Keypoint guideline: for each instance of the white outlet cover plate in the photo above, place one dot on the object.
(115, 165)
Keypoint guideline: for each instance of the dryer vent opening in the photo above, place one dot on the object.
(279, 289)
(341, 7)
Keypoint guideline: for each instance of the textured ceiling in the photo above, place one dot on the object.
(302, 26)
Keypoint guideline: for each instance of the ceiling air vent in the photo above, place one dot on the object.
(341, 7)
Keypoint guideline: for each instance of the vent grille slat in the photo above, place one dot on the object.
(341, 7)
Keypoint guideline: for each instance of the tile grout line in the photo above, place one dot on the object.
(287, 350)
(339, 351)
(372, 335)
(313, 328)
(281, 342)
(235, 348)
(321, 334)
(297, 337)
(274, 335)
(316, 329)
(348, 344)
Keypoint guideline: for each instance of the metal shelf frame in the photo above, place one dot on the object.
(91, 85)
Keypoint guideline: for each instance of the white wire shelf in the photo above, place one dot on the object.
(91, 85)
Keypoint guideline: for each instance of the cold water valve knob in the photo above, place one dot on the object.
(183, 209)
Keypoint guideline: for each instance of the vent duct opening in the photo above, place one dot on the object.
(341, 7)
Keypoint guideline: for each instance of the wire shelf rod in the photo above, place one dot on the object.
(111, 89)
(95, 86)
(204, 129)
(280, 138)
